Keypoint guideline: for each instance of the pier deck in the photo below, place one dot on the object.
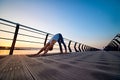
(94, 65)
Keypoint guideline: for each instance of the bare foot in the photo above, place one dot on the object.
(65, 51)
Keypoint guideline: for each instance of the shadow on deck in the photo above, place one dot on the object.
(95, 65)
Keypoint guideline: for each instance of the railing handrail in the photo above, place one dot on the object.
(31, 28)
(114, 44)
(24, 26)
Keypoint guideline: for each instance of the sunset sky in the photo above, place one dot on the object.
(91, 22)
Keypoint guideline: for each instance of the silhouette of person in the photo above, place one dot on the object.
(49, 46)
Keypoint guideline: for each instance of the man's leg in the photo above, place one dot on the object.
(40, 51)
(43, 48)
(59, 42)
(62, 41)
(65, 47)
(60, 46)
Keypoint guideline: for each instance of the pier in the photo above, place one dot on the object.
(82, 62)
(96, 65)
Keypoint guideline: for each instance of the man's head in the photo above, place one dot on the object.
(51, 48)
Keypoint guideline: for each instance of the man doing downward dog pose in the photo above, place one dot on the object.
(49, 46)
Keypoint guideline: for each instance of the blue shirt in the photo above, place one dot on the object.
(55, 37)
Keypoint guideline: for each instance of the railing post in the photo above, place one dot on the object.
(79, 47)
(118, 44)
(69, 46)
(88, 48)
(115, 45)
(75, 47)
(85, 47)
(82, 47)
(46, 39)
(14, 40)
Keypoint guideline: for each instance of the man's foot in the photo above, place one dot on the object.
(61, 52)
(65, 51)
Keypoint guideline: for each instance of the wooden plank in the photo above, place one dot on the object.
(77, 66)
(95, 64)
(15, 70)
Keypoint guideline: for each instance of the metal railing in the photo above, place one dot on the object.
(26, 36)
(114, 44)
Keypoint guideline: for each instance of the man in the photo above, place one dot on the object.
(49, 46)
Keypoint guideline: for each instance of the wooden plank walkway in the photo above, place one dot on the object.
(95, 65)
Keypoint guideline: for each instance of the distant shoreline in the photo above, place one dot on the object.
(18, 48)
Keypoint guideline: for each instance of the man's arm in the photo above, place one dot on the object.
(46, 50)
(49, 46)
(40, 51)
